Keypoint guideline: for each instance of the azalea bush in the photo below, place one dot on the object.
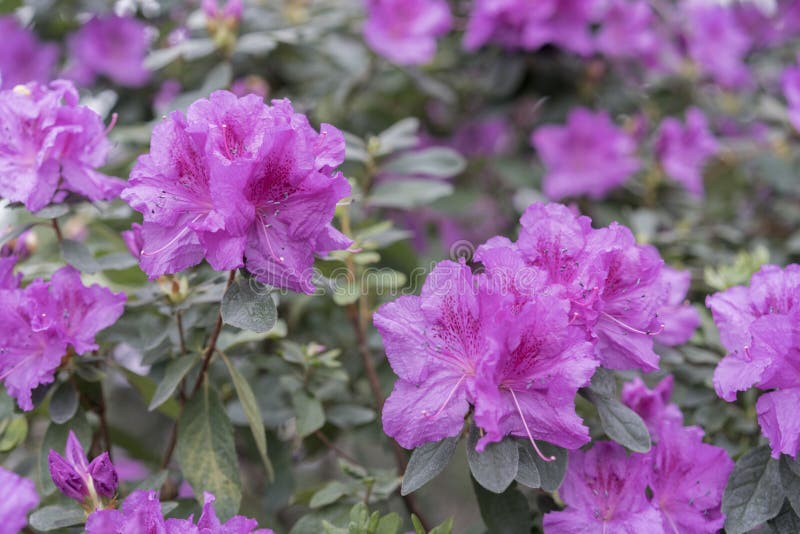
(389, 266)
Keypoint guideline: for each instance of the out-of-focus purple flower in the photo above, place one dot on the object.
(50, 145)
(250, 85)
(109, 46)
(405, 31)
(760, 327)
(531, 24)
(20, 247)
(717, 44)
(8, 280)
(141, 512)
(589, 155)
(487, 136)
(23, 58)
(133, 240)
(652, 405)
(39, 323)
(167, 94)
(231, 12)
(768, 26)
(604, 491)
(130, 470)
(684, 150)
(17, 498)
(236, 179)
(790, 82)
(680, 318)
(79, 479)
(627, 31)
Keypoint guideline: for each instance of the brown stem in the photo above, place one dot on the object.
(173, 440)
(57, 230)
(336, 450)
(179, 320)
(212, 341)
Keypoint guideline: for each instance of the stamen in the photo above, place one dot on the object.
(635, 330)
(447, 400)
(528, 430)
(264, 227)
(111, 124)
(747, 354)
(173, 240)
(573, 318)
(590, 297)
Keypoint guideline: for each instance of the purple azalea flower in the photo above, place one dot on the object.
(405, 31)
(109, 46)
(39, 323)
(51, 146)
(231, 10)
(604, 491)
(23, 58)
(680, 318)
(627, 31)
(615, 286)
(141, 512)
(790, 83)
(17, 498)
(8, 280)
(684, 150)
(234, 179)
(760, 327)
(484, 137)
(717, 44)
(531, 24)
(133, 240)
(77, 478)
(652, 405)
(589, 155)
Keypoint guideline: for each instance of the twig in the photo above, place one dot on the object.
(212, 341)
(57, 230)
(179, 320)
(336, 450)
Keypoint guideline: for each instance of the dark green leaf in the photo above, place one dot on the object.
(176, 370)
(619, 422)
(399, 136)
(389, 524)
(57, 516)
(252, 412)
(14, 433)
(350, 415)
(408, 193)
(786, 522)
(789, 470)
(754, 493)
(146, 388)
(329, 494)
(249, 307)
(507, 512)
(444, 528)
(550, 473)
(77, 255)
(309, 413)
(496, 467)
(154, 481)
(426, 463)
(63, 403)
(206, 451)
(440, 162)
(527, 470)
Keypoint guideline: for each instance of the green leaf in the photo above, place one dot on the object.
(399, 136)
(147, 388)
(418, 528)
(308, 412)
(55, 437)
(312, 523)
(786, 522)
(440, 162)
(249, 307)
(57, 516)
(507, 512)
(444, 528)
(389, 524)
(153, 482)
(206, 451)
(619, 422)
(79, 256)
(329, 494)
(754, 493)
(527, 469)
(252, 412)
(789, 470)
(496, 467)
(551, 474)
(14, 433)
(426, 463)
(408, 193)
(63, 403)
(350, 415)
(176, 370)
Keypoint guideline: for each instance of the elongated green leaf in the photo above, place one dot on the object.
(147, 388)
(441, 162)
(76, 254)
(551, 473)
(252, 412)
(786, 522)
(426, 463)
(527, 470)
(496, 467)
(507, 512)
(309, 413)
(619, 422)
(408, 193)
(790, 478)
(176, 370)
(399, 136)
(754, 493)
(329, 494)
(57, 516)
(249, 307)
(206, 451)
(63, 403)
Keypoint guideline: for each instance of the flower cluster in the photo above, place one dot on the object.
(23, 58)
(17, 498)
(405, 31)
(760, 327)
(684, 150)
(44, 321)
(239, 183)
(50, 146)
(518, 339)
(791, 90)
(141, 512)
(676, 487)
(77, 478)
(110, 46)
